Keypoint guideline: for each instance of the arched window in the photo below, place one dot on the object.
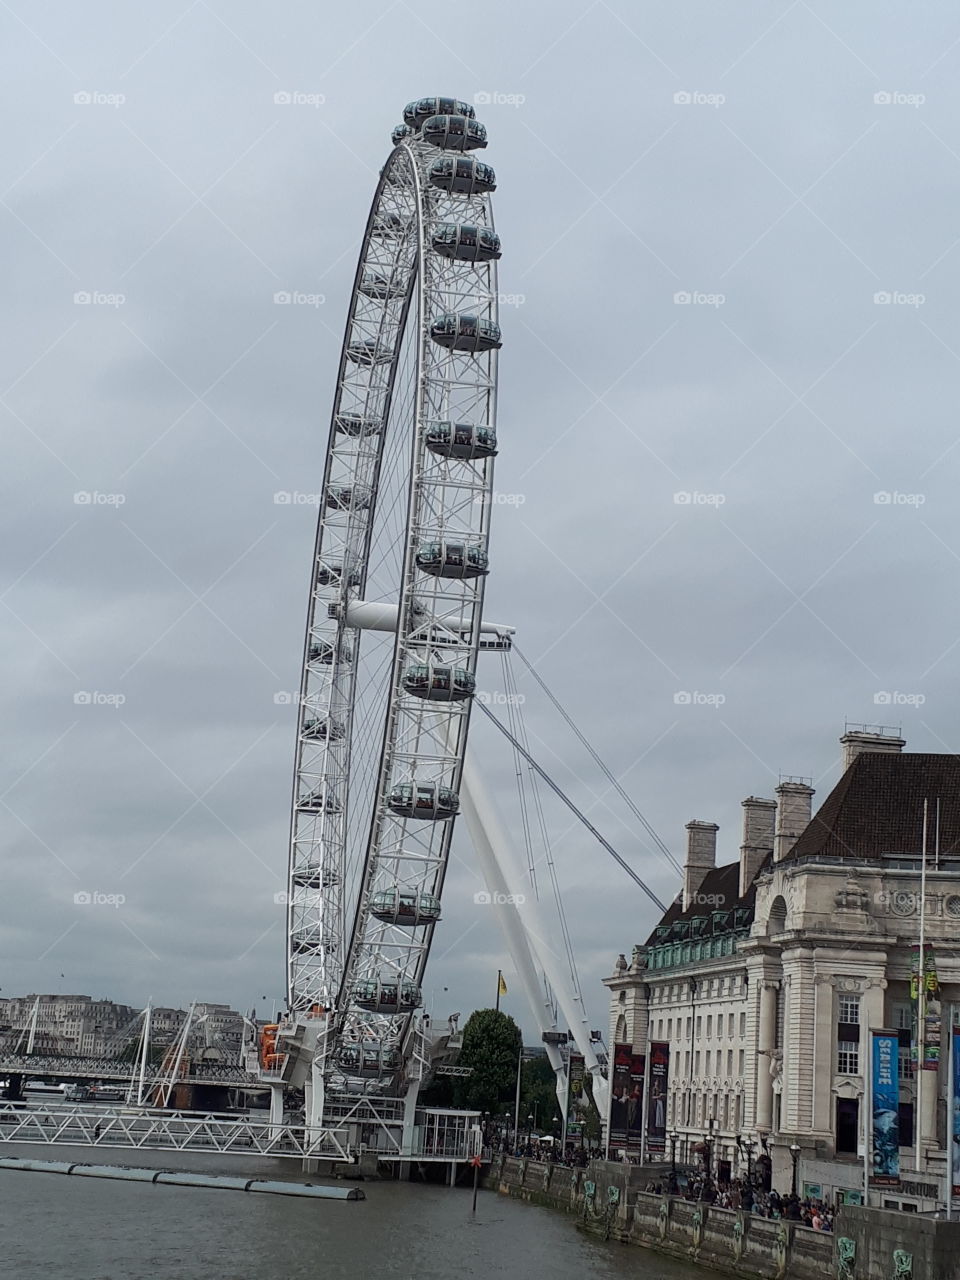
(621, 1033)
(777, 921)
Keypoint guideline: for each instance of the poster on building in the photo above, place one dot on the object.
(619, 1094)
(886, 1108)
(955, 1132)
(931, 1015)
(657, 1102)
(577, 1072)
(638, 1068)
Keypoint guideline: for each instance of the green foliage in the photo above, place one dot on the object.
(491, 1047)
(538, 1097)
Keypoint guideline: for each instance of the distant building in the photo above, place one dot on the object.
(765, 975)
(78, 1025)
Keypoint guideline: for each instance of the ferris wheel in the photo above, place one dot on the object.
(396, 593)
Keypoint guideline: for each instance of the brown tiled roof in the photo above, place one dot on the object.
(722, 885)
(877, 808)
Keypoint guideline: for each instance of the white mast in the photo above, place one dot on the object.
(921, 993)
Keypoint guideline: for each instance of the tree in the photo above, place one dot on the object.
(538, 1095)
(491, 1048)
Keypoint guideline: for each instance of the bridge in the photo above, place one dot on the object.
(64, 1067)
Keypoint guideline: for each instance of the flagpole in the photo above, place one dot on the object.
(499, 983)
(921, 995)
(868, 1119)
(951, 1113)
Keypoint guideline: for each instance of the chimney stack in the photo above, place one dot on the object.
(869, 737)
(701, 857)
(759, 820)
(795, 801)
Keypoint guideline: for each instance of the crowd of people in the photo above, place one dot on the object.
(767, 1204)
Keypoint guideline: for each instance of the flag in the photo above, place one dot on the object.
(502, 988)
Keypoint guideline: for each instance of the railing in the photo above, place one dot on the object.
(169, 1131)
(37, 1064)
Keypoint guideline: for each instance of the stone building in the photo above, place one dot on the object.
(765, 975)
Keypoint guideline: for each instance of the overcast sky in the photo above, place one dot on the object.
(792, 170)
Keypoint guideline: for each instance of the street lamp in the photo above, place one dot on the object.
(746, 1146)
(707, 1158)
(795, 1157)
(674, 1139)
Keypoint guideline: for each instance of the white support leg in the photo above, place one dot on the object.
(498, 863)
(486, 835)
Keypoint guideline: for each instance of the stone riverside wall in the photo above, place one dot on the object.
(866, 1244)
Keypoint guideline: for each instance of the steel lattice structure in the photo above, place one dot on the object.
(396, 597)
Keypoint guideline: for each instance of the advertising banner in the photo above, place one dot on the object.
(885, 1170)
(619, 1094)
(955, 1128)
(638, 1065)
(657, 1102)
(577, 1073)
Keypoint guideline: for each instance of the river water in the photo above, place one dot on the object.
(54, 1227)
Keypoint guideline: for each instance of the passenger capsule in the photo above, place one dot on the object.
(468, 334)
(368, 1060)
(445, 559)
(314, 876)
(389, 226)
(348, 497)
(404, 907)
(309, 941)
(464, 175)
(323, 800)
(439, 683)
(415, 113)
(328, 575)
(355, 424)
(368, 351)
(373, 284)
(426, 800)
(400, 132)
(454, 133)
(325, 652)
(386, 995)
(465, 242)
(323, 730)
(463, 440)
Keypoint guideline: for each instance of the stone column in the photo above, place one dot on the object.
(766, 1044)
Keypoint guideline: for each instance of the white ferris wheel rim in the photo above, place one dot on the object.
(335, 946)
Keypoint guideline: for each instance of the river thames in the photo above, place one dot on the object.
(63, 1228)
